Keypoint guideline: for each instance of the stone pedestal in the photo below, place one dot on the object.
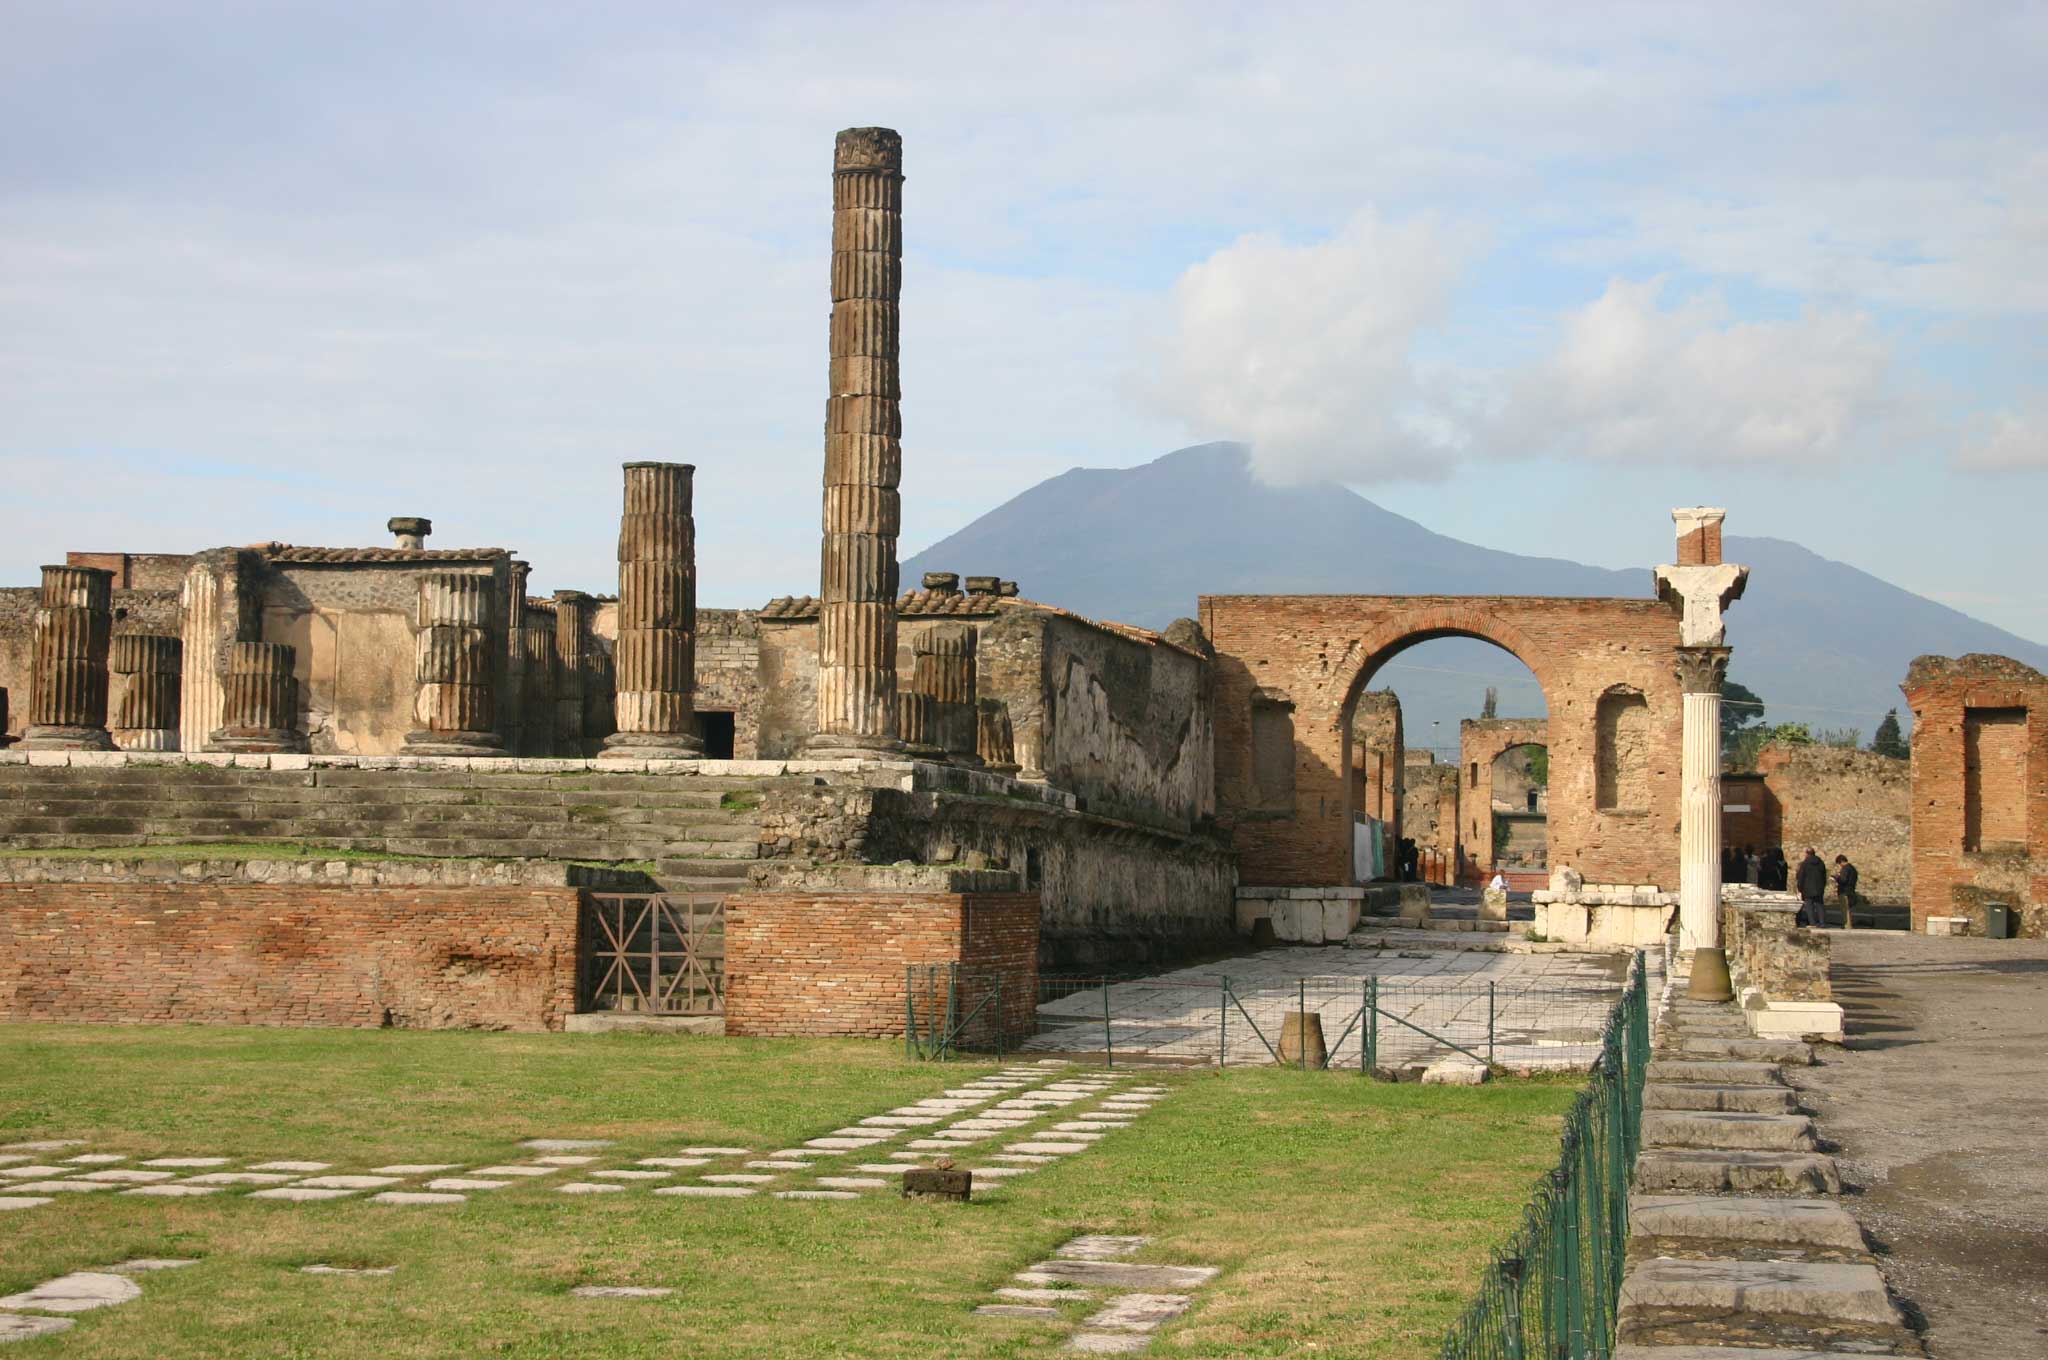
(1701, 671)
(573, 610)
(456, 703)
(260, 701)
(857, 710)
(68, 681)
(995, 738)
(656, 659)
(147, 717)
(942, 665)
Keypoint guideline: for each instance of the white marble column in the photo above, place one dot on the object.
(1701, 671)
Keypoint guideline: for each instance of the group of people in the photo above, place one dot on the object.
(1770, 871)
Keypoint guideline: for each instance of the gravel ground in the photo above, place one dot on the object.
(1939, 1105)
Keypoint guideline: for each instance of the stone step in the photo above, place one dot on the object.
(1728, 1131)
(1674, 1095)
(1787, 1052)
(1733, 1218)
(1712, 1352)
(1670, 1170)
(1720, 1023)
(1715, 1072)
(1826, 1291)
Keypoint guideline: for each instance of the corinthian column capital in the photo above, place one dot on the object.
(1702, 670)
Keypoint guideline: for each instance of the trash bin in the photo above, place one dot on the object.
(1997, 921)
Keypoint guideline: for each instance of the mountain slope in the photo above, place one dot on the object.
(1822, 642)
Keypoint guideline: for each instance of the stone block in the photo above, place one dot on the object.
(1798, 1020)
(1493, 904)
(931, 1182)
(1340, 918)
(1455, 1071)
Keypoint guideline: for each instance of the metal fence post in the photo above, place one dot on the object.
(1108, 1044)
(1222, 1022)
(910, 1011)
(1489, 1022)
(1372, 1024)
(1301, 1020)
(1364, 1026)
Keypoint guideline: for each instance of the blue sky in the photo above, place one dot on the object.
(1530, 274)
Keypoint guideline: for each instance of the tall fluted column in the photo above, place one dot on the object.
(857, 711)
(68, 683)
(656, 656)
(942, 665)
(995, 738)
(456, 703)
(199, 696)
(512, 694)
(147, 717)
(1701, 671)
(260, 700)
(537, 643)
(572, 646)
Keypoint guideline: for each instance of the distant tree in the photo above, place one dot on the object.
(1889, 741)
(1789, 734)
(1741, 712)
(1539, 766)
(1491, 708)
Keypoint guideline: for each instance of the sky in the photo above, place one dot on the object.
(1529, 274)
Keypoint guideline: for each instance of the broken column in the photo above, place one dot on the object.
(656, 655)
(857, 710)
(942, 665)
(917, 722)
(1700, 586)
(146, 719)
(68, 681)
(455, 704)
(572, 646)
(260, 701)
(512, 691)
(409, 531)
(995, 737)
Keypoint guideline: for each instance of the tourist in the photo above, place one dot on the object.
(1499, 883)
(1845, 889)
(1813, 886)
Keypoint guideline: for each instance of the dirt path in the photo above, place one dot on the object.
(1940, 1107)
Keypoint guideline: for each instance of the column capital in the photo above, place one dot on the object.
(1702, 670)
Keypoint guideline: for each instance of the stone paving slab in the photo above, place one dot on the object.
(1792, 1173)
(816, 1194)
(241, 1178)
(1117, 1275)
(706, 1191)
(97, 1159)
(1022, 1295)
(11, 1158)
(738, 1178)
(565, 1159)
(299, 1194)
(349, 1182)
(181, 1191)
(145, 1265)
(1048, 1149)
(673, 1162)
(36, 1171)
(466, 1183)
(1828, 1291)
(632, 1175)
(516, 1170)
(414, 1168)
(416, 1197)
(619, 1291)
(852, 1183)
(566, 1144)
(191, 1162)
(128, 1176)
(43, 1145)
(715, 1151)
(79, 1292)
(1784, 1222)
(1726, 1131)
(322, 1268)
(291, 1166)
(58, 1187)
(24, 1201)
(1108, 1343)
(591, 1188)
(780, 1164)
(996, 1173)
(1100, 1247)
(15, 1327)
(1018, 1310)
(1139, 1312)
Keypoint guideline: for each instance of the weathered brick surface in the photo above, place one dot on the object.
(1980, 789)
(1481, 742)
(1320, 651)
(263, 954)
(834, 962)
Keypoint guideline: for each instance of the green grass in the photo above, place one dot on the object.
(740, 801)
(1350, 1218)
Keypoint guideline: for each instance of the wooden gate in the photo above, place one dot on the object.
(655, 953)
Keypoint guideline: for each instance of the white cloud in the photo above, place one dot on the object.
(2007, 441)
(1635, 379)
(1306, 352)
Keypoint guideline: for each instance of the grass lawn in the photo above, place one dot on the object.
(1349, 1218)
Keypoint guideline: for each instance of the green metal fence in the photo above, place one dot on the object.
(1551, 1292)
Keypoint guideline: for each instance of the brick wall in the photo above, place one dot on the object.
(262, 954)
(1980, 788)
(1841, 802)
(1320, 651)
(1482, 742)
(818, 963)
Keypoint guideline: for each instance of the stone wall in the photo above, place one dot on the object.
(834, 963)
(1979, 789)
(1319, 652)
(239, 952)
(1842, 802)
(729, 673)
(1486, 782)
(1768, 952)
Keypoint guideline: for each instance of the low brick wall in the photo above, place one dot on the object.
(289, 954)
(820, 963)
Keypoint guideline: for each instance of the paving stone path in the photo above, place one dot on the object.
(1140, 1297)
(1002, 1126)
(1738, 1249)
(45, 1310)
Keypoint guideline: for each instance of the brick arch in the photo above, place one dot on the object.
(1482, 742)
(1317, 653)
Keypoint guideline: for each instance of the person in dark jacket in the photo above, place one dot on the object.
(1813, 886)
(1845, 890)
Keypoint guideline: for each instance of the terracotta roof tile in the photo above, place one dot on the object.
(287, 552)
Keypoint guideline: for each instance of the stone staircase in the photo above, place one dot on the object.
(1738, 1249)
(698, 831)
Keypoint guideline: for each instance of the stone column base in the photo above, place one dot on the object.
(453, 744)
(651, 746)
(67, 739)
(1007, 771)
(146, 738)
(256, 741)
(847, 746)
